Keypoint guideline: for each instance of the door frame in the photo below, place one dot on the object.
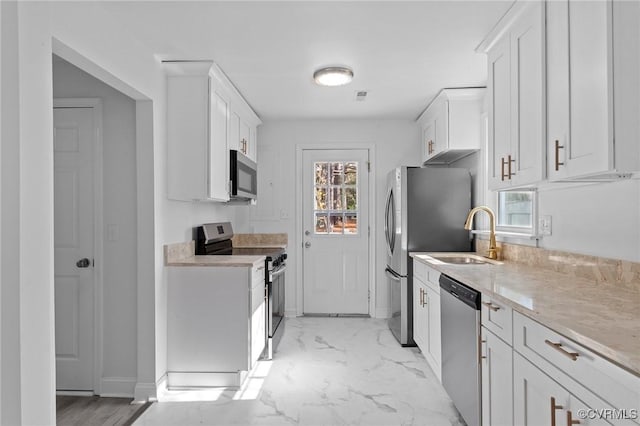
(299, 234)
(98, 239)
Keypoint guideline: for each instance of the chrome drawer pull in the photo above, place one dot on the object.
(558, 347)
(491, 306)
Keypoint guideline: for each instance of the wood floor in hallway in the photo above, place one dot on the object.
(96, 411)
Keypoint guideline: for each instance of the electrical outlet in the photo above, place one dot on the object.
(544, 225)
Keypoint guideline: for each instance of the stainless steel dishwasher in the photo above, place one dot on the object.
(460, 315)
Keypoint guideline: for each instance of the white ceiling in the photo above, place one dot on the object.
(403, 53)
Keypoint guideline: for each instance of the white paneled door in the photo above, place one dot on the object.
(336, 231)
(73, 142)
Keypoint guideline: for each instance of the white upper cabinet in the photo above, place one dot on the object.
(516, 89)
(452, 125)
(593, 92)
(206, 117)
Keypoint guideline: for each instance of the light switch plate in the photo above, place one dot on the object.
(544, 225)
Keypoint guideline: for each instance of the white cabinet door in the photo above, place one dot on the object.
(517, 107)
(420, 316)
(580, 88)
(497, 381)
(441, 122)
(428, 140)
(234, 131)
(537, 399)
(527, 106)
(499, 112)
(434, 351)
(218, 147)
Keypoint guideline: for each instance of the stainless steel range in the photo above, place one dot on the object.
(215, 239)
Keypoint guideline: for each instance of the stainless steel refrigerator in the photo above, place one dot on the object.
(425, 210)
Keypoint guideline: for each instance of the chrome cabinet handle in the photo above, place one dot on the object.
(558, 347)
(83, 263)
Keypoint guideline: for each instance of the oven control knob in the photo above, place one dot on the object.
(284, 256)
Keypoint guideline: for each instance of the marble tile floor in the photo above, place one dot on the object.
(327, 371)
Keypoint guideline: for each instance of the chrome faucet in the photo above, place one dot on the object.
(493, 250)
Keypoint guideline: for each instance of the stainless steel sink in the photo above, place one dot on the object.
(457, 258)
(460, 260)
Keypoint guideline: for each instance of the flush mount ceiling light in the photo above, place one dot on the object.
(333, 76)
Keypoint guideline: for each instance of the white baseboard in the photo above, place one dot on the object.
(144, 392)
(383, 313)
(291, 313)
(118, 386)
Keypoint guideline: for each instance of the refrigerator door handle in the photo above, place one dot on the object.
(392, 275)
(390, 232)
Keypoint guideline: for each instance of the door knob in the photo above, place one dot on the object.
(83, 263)
(307, 244)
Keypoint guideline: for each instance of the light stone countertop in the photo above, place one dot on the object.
(182, 254)
(602, 317)
(239, 261)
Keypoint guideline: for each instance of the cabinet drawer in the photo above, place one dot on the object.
(498, 318)
(557, 354)
(420, 271)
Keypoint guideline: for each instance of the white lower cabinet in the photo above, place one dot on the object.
(426, 315)
(215, 324)
(540, 400)
(497, 380)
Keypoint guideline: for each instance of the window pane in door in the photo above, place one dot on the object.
(350, 223)
(321, 173)
(321, 223)
(336, 173)
(336, 198)
(321, 198)
(351, 198)
(335, 201)
(337, 223)
(350, 173)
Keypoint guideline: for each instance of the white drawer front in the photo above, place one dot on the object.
(498, 318)
(420, 271)
(433, 280)
(552, 351)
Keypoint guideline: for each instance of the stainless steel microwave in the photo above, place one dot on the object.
(244, 176)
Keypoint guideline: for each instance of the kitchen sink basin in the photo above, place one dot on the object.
(457, 258)
(460, 260)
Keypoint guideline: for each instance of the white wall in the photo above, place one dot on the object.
(119, 211)
(599, 220)
(396, 143)
(10, 374)
(28, 368)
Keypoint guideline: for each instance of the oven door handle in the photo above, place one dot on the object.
(279, 271)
